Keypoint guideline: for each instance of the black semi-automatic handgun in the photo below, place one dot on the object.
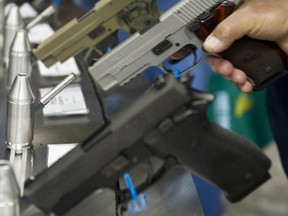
(168, 121)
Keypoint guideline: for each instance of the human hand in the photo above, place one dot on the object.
(263, 20)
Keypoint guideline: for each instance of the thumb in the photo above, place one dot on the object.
(230, 29)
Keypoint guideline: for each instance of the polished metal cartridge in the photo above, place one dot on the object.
(20, 114)
(20, 57)
(9, 191)
(21, 106)
(12, 24)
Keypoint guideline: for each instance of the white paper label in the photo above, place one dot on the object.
(59, 69)
(68, 102)
(40, 32)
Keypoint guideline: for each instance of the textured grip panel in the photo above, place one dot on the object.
(224, 158)
(236, 165)
(262, 61)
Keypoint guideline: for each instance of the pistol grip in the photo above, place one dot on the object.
(262, 61)
(222, 157)
(236, 165)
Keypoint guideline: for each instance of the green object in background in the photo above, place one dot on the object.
(243, 113)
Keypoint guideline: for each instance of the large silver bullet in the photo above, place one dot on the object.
(9, 191)
(20, 114)
(20, 57)
(21, 105)
(12, 24)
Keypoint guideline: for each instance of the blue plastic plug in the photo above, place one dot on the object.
(137, 202)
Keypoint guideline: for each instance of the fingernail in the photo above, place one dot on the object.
(212, 44)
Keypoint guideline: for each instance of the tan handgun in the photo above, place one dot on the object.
(104, 19)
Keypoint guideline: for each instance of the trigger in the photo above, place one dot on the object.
(182, 53)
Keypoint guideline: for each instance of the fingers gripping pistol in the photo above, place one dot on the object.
(94, 27)
(188, 22)
(168, 121)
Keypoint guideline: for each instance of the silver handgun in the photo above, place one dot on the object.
(189, 22)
